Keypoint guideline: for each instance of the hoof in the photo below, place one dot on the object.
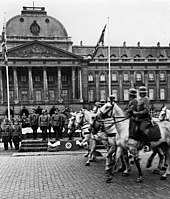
(139, 180)
(86, 155)
(156, 171)
(87, 164)
(164, 168)
(125, 174)
(108, 179)
(121, 169)
(162, 178)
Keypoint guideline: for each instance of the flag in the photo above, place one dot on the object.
(101, 41)
(3, 45)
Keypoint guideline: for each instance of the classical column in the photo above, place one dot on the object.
(45, 83)
(168, 91)
(73, 83)
(16, 96)
(146, 79)
(80, 85)
(30, 84)
(120, 86)
(97, 86)
(157, 85)
(1, 86)
(59, 84)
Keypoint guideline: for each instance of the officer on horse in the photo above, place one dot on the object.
(143, 115)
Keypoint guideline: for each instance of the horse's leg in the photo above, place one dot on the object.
(126, 163)
(150, 159)
(161, 159)
(92, 146)
(167, 172)
(137, 162)
(165, 165)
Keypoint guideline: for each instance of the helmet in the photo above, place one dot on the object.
(132, 91)
(112, 97)
(142, 89)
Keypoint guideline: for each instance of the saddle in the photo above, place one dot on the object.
(153, 133)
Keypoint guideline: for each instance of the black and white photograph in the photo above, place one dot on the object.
(85, 99)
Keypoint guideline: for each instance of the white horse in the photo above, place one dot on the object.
(164, 114)
(124, 142)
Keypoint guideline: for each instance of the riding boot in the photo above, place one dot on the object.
(147, 148)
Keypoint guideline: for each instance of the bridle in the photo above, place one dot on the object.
(164, 115)
(112, 116)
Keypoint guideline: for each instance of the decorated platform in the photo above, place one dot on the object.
(30, 145)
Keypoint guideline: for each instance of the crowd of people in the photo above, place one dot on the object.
(11, 130)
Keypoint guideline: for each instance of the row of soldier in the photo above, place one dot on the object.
(11, 130)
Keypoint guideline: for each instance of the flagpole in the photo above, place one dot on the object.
(7, 81)
(109, 60)
(4, 46)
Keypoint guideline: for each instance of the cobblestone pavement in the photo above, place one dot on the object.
(65, 176)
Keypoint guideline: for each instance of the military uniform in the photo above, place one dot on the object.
(56, 122)
(16, 134)
(44, 123)
(143, 114)
(34, 117)
(5, 133)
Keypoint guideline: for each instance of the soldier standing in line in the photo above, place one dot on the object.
(5, 133)
(16, 134)
(34, 117)
(43, 124)
(56, 122)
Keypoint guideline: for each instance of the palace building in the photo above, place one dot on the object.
(46, 69)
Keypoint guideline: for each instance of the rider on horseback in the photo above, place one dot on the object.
(143, 115)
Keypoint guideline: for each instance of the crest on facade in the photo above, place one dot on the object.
(35, 28)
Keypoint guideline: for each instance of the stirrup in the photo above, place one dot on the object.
(146, 148)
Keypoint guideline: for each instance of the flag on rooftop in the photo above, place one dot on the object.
(4, 45)
(101, 41)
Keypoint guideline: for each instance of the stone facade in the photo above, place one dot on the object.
(46, 69)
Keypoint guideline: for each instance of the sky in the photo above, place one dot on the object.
(132, 21)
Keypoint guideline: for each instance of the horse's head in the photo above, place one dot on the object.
(105, 111)
(163, 114)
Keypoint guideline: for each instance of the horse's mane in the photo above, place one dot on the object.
(118, 110)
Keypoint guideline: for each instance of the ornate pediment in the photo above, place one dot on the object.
(38, 50)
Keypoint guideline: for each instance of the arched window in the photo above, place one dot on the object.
(125, 77)
(162, 76)
(90, 77)
(102, 77)
(114, 77)
(151, 76)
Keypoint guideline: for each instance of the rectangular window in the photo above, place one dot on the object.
(64, 94)
(90, 77)
(114, 93)
(37, 78)
(10, 79)
(114, 77)
(138, 77)
(102, 77)
(151, 94)
(126, 94)
(37, 95)
(51, 95)
(162, 94)
(162, 76)
(64, 78)
(23, 78)
(91, 95)
(151, 77)
(24, 95)
(51, 78)
(125, 77)
(102, 95)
